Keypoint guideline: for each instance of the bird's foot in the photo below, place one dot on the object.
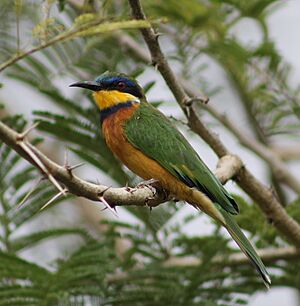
(151, 182)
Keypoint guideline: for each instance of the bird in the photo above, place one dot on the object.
(150, 145)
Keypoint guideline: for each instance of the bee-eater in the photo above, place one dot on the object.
(151, 146)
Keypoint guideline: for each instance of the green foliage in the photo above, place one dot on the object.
(96, 273)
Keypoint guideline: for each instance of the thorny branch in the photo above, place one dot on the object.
(262, 195)
(145, 194)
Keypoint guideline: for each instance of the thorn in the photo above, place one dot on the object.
(76, 166)
(205, 100)
(63, 192)
(188, 102)
(29, 149)
(188, 112)
(71, 168)
(55, 183)
(155, 65)
(67, 166)
(29, 193)
(22, 135)
(108, 206)
(157, 34)
(100, 194)
(127, 188)
(66, 158)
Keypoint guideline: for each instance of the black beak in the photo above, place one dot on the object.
(88, 85)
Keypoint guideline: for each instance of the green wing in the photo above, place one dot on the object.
(153, 134)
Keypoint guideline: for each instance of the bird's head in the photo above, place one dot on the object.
(111, 89)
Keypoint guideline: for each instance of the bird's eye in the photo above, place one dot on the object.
(121, 85)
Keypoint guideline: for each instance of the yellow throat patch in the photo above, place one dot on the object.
(108, 98)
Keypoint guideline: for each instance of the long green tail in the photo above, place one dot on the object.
(245, 245)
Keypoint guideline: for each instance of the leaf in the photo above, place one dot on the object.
(112, 26)
(14, 267)
(61, 5)
(148, 86)
(29, 240)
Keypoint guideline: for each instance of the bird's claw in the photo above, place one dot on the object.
(151, 182)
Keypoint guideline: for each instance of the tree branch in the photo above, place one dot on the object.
(260, 193)
(145, 194)
(267, 255)
(141, 195)
(278, 166)
(287, 153)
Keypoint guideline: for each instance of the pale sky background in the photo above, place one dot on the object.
(284, 28)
